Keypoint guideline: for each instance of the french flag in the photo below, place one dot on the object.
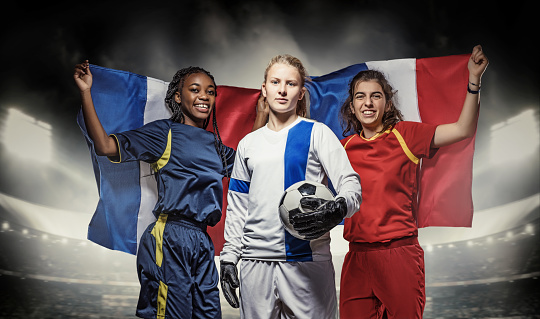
(429, 90)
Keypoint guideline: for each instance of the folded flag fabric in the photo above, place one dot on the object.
(429, 90)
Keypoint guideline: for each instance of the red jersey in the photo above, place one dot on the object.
(389, 166)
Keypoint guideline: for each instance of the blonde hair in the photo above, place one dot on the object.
(301, 106)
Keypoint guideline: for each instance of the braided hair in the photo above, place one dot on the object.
(176, 85)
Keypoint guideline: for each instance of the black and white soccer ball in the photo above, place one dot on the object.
(290, 201)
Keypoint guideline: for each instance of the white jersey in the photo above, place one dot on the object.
(267, 163)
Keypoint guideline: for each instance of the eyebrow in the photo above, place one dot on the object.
(284, 80)
(362, 92)
(197, 84)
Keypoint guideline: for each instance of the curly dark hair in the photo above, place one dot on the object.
(176, 85)
(390, 117)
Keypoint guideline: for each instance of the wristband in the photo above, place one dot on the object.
(471, 91)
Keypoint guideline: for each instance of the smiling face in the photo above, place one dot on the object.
(197, 98)
(368, 105)
(283, 89)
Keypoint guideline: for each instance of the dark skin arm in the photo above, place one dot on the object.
(103, 143)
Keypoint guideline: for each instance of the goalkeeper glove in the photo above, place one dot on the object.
(229, 283)
(321, 216)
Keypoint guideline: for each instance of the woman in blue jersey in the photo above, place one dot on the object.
(175, 259)
(282, 276)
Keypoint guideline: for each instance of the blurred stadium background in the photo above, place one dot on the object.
(49, 270)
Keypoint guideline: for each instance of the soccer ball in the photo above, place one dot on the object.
(290, 201)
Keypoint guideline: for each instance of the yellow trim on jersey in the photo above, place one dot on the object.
(405, 148)
(165, 157)
(374, 136)
(161, 299)
(116, 159)
(345, 146)
(157, 232)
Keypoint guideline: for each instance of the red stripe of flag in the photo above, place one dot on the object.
(446, 180)
(235, 115)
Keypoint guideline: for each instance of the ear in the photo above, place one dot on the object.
(388, 106)
(178, 97)
(351, 107)
(302, 93)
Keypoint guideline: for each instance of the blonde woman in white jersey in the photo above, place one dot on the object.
(282, 276)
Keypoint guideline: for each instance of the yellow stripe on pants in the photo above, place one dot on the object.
(157, 232)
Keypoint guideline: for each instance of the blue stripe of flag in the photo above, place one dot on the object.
(120, 99)
(328, 92)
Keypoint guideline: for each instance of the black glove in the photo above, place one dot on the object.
(321, 216)
(229, 283)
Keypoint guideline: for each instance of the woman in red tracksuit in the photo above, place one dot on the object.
(383, 272)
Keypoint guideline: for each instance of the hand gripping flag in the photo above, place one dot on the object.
(429, 90)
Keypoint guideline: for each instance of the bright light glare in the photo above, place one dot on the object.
(27, 137)
(529, 229)
(515, 139)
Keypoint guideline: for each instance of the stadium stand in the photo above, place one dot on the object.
(48, 276)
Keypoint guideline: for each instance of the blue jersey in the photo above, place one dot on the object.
(187, 167)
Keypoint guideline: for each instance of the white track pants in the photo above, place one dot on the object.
(278, 290)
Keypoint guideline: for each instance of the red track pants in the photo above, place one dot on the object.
(383, 280)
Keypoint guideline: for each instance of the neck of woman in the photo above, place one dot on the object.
(369, 132)
(279, 121)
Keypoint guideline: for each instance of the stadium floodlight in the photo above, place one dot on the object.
(515, 139)
(26, 137)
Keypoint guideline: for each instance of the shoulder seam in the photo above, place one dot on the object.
(350, 138)
(404, 146)
(160, 163)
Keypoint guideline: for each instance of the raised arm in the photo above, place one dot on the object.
(465, 127)
(103, 143)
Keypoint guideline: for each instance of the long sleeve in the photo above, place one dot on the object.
(237, 208)
(338, 168)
